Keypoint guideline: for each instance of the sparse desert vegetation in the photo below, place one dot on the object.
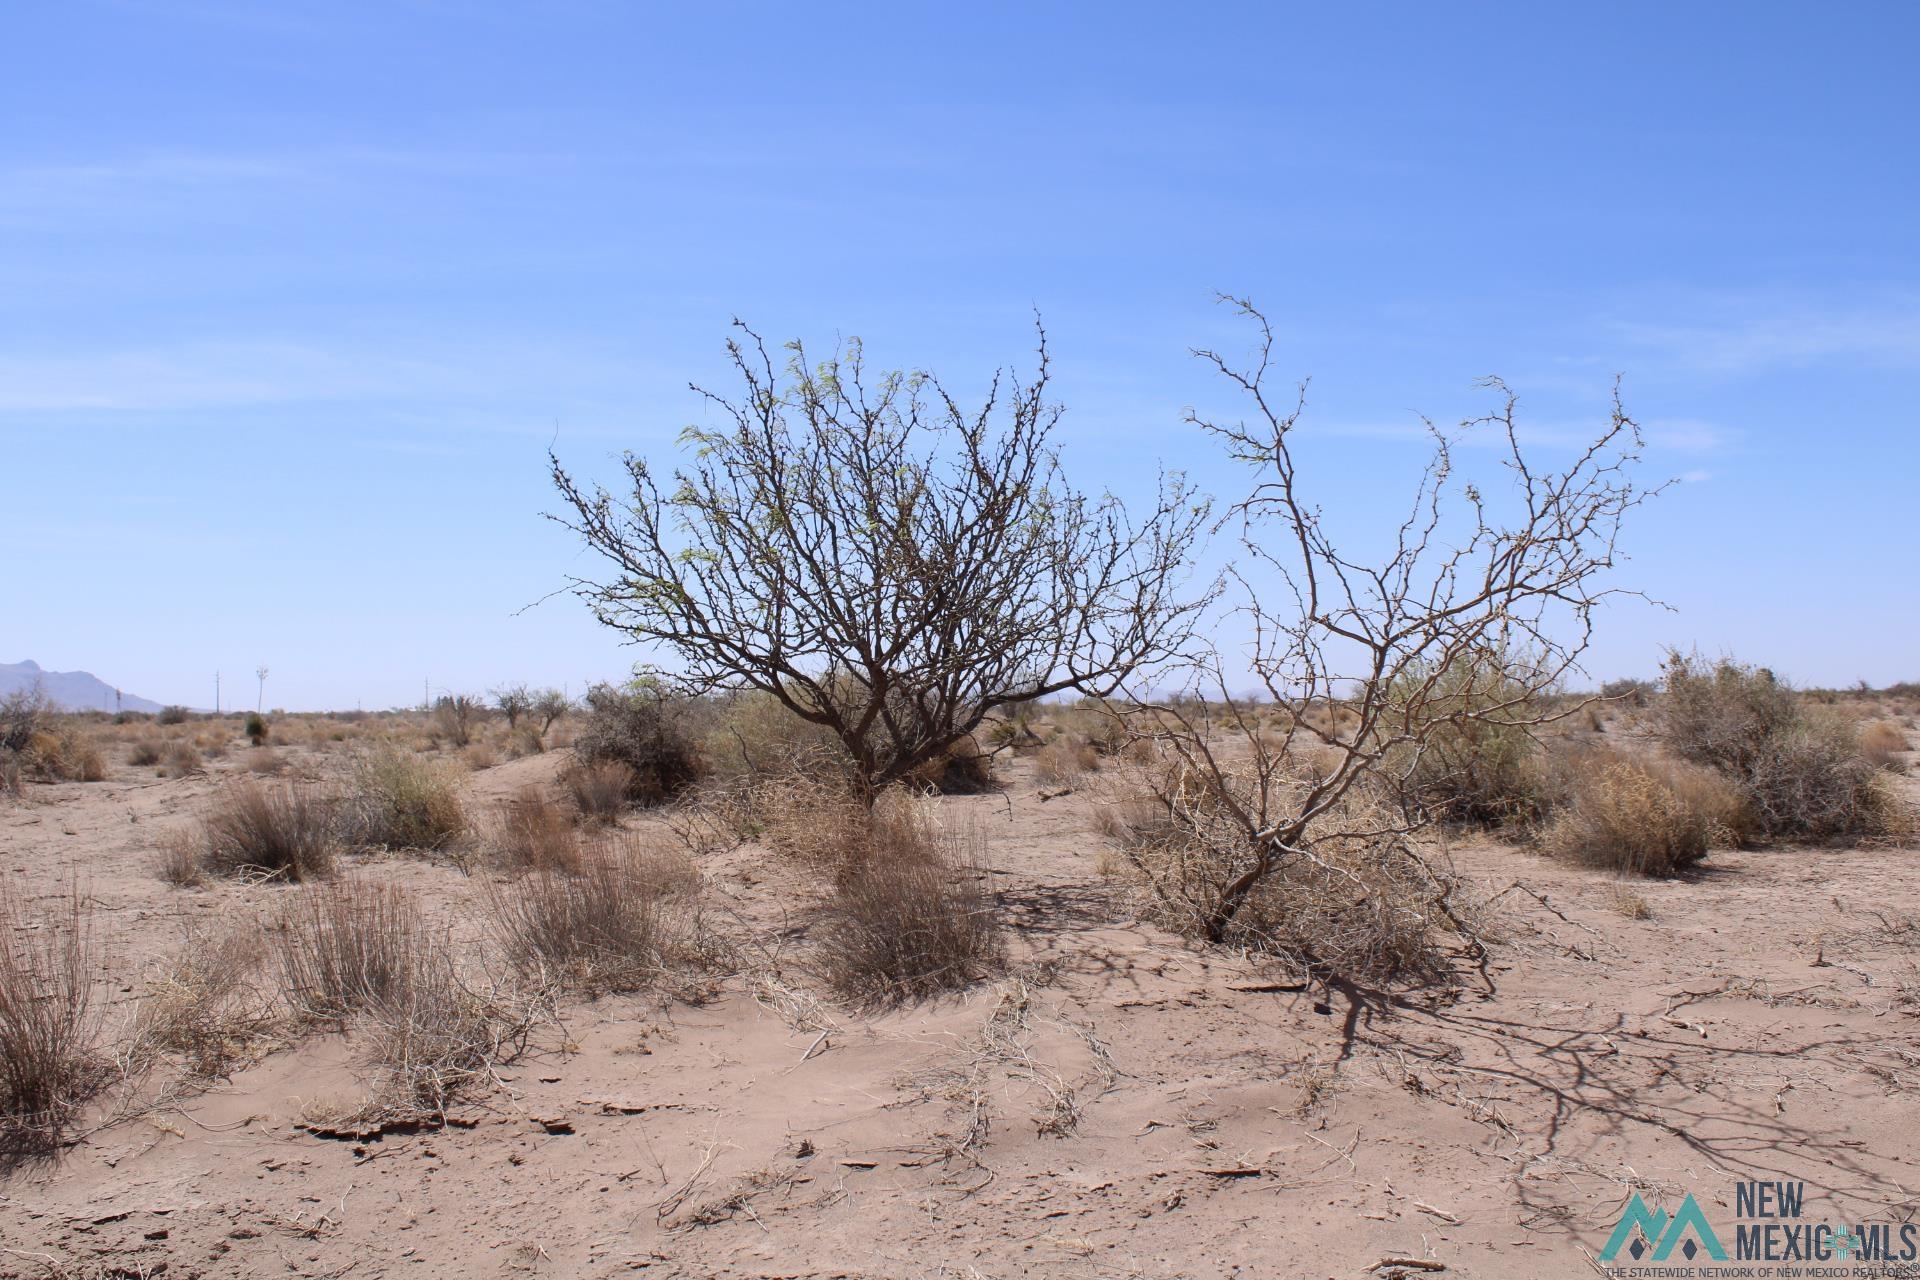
(967, 895)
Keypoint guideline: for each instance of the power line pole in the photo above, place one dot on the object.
(216, 693)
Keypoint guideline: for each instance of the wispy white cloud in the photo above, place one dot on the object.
(144, 183)
(1742, 339)
(202, 375)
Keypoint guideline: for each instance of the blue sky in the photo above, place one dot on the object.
(293, 298)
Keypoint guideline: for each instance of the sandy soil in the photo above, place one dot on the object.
(1120, 1105)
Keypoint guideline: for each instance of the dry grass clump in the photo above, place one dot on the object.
(530, 832)
(1804, 774)
(349, 946)
(438, 1037)
(1354, 904)
(599, 790)
(182, 761)
(204, 1006)
(144, 754)
(49, 1026)
(361, 953)
(817, 822)
(35, 744)
(266, 762)
(653, 735)
(1882, 744)
(1065, 760)
(258, 828)
(625, 919)
(1644, 817)
(397, 800)
(66, 756)
(910, 918)
(963, 769)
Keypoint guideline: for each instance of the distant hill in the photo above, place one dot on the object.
(69, 690)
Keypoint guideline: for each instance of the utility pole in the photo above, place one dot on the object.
(216, 693)
(260, 699)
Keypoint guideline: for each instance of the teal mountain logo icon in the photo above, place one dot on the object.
(1641, 1229)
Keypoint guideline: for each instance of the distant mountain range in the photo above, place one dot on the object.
(69, 690)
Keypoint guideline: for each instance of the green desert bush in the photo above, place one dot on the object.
(1801, 768)
(754, 735)
(398, 800)
(256, 728)
(655, 736)
(1471, 771)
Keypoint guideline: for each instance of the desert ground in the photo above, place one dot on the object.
(1114, 1101)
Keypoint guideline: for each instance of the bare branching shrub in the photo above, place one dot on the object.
(1359, 902)
(205, 1006)
(455, 716)
(350, 945)
(530, 832)
(599, 791)
(549, 705)
(1803, 773)
(1645, 816)
(513, 701)
(283, 830)
(397, 800)
(1366, 657)
(655, 736)
(49, 1024)
(627, 919)
(911, 916)
(182, 761)
(888, 565)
